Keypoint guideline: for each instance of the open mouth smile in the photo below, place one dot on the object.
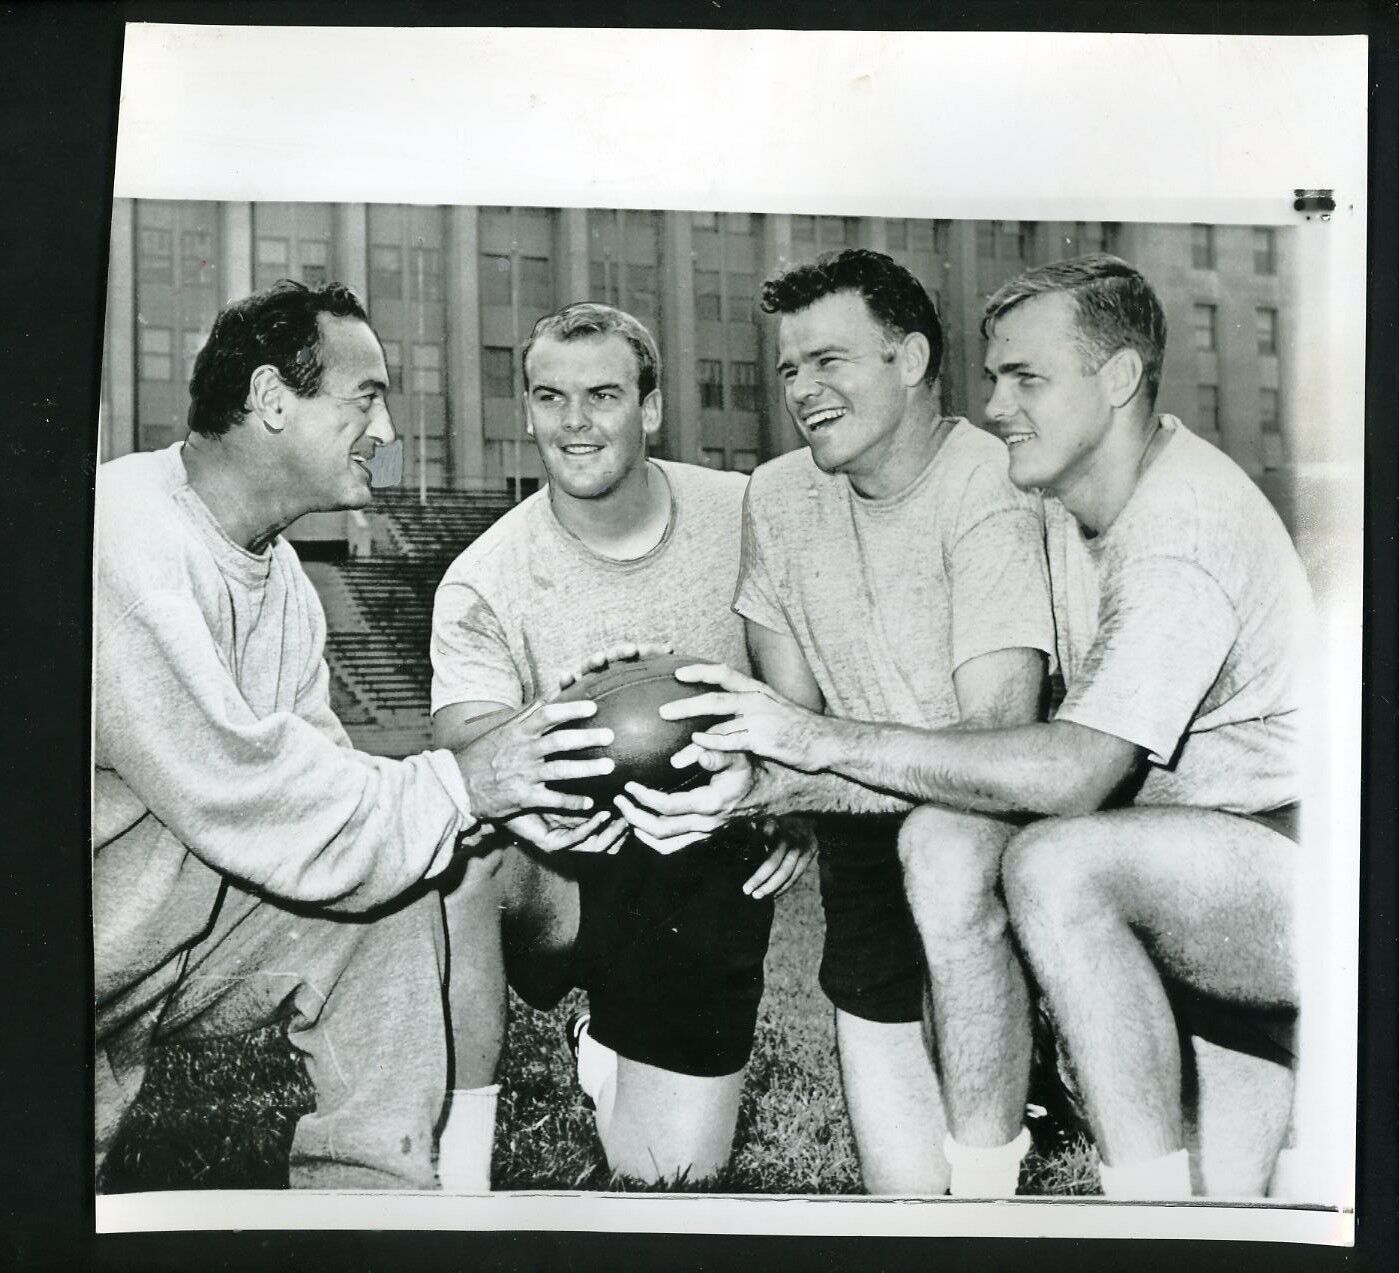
(825, 416)
(580, 448)
(1015, 439)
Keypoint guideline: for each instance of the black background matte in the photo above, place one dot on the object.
(59, 83)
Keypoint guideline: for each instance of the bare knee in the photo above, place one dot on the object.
(951, 862)
(1052, 874)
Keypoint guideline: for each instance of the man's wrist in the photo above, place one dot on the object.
(827, 744)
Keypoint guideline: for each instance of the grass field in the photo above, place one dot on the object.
(221, 1114)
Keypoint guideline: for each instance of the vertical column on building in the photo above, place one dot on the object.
(874, 234)
(571, 281)
(350, 250)
(678, 376)
(118, 433)
(236, 254)
(779, 434)
(1306, 338)
(1237, 336)
(464, 414)
(961, 360)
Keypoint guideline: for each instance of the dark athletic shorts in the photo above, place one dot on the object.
(670, 950)
(1285, 820)
(872, 964)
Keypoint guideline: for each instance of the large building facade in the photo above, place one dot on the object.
(453, 291)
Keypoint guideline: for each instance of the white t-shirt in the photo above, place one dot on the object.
(528, 600)
(1179, 630)
(888, 597)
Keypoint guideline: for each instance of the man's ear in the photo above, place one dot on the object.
(1122, 375)
(266, 393)
(651, 412)
(913, 354)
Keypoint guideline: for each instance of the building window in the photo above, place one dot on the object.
(711, 382)
(712, 457)
(986, 239)
(155, 353)
(705, 220)
(315, 262)
(495, 280)
(896, 233)
(833, 230)
(1090, 237)
(536, 284)
(1265, 250)
(427, 369)
(1269, 417)
(1024, 240)
(1203, 319)
(197, 258)
(707, 294)
(498, 372)
(1202, 247)
(641, 288)
(602, 282)
(738, 223)
(745, 383)
(1267, 320)
(192, 343)
(393, 360)
(922, 236)
(1112, 236)
(273, 261)
(1207, 409)
(745, 461)
(155, 256)
(803, 229)
(427, 273)
(385, 272)
(742, 290)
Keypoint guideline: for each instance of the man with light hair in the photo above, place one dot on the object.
(1163, 869)
(626, 555)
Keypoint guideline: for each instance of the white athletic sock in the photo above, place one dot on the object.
(1151, 1180)
(597, 1076)
(464, 1148)
(986, 1171)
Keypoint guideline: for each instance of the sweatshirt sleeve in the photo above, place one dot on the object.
(279, 803)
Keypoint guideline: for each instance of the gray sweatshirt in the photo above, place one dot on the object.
(216, 753)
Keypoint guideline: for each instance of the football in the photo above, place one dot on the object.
(628, 697)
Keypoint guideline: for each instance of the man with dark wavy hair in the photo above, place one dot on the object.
(892, 573)
(248, 864)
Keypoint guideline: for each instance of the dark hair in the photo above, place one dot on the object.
(895, 298)
(279, 327)
(1115, 308)
(591, 318)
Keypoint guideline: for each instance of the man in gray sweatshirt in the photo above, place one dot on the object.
(247, 861)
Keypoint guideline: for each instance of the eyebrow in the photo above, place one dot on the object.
(373, 382)
(1002, 368)
(606, 384)
(831, 348)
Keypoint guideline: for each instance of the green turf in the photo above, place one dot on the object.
(220, 1114)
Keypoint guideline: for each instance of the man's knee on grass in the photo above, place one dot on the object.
(951, 864)
(670, 1128)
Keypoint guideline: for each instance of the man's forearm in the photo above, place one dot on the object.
(1030, 768)
(779, 789)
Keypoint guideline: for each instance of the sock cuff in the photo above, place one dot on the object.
(1160, 1179)
(987, 1155)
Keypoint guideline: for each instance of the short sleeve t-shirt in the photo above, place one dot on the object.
(528, 600)
(1179, 630)
(888, 597)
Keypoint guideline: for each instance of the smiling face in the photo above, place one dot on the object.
(328, 438)
(586, 414)
(846, 381)
(1051, 411)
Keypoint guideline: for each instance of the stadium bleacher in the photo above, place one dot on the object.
(379, 612)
